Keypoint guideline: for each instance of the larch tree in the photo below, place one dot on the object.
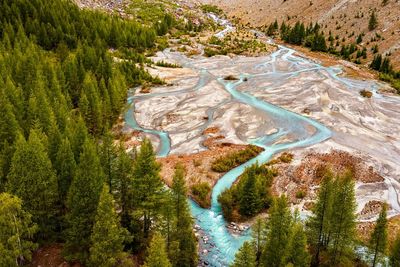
(250, 199)
(107, 237)
(278, 230)
(343, 220)
(148, 189)
(296, 252)
(33, 179)
(107, 159)
(319, 222)
(156, 253)
(82, 200)
(378, 240)
(16, 232)
(245, 256)
(123, 184)
(257, 234)
(65, 166)
(184, 224)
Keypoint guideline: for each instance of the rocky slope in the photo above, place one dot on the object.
(341, 17)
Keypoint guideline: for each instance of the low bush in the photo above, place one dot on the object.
(200, 192)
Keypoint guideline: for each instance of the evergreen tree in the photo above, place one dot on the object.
(250, 199)
(65, 166)
(107, 158)
(376, 62)
(378, 241)
(148, 189)
(319, 222)
(183, 233)
(343, 220)
(373, 21)
(33, 179)
(107, 236)
(296, 252)
(278, 230)
(257, 234)
(82, 201)
(16, 232)
(245, 256)
(156, 253)
(123, 185)
(395, 253)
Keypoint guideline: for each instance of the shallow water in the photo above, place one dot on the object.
(222, 245)
(292, 130)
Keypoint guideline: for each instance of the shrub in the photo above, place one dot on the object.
(300, 194)
(366, 93)
(200, 192)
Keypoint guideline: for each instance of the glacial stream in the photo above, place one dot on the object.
(293, 131)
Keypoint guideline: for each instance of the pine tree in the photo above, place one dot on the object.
(107, 236)
(82, 201)
(16, 232)
(148, 189)
(33, 179)
(278, 230)
(378, 241)
(245, 256)
(373, 21)
(395, 253)
(156, 253)
(296, 252)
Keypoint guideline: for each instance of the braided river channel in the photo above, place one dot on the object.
(255, 76)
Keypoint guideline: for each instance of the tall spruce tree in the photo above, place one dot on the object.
(108, 236)
(245, 256)
(378, 240)
(33, 179)
(156, 253)
(278, 230)
(16, 232)
(148, 189)
(82, 201)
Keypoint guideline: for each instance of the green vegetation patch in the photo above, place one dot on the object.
(232, 160)
(211, 9)
(201, 193)
(250, 195)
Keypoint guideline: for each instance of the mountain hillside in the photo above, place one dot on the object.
(346, 19)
